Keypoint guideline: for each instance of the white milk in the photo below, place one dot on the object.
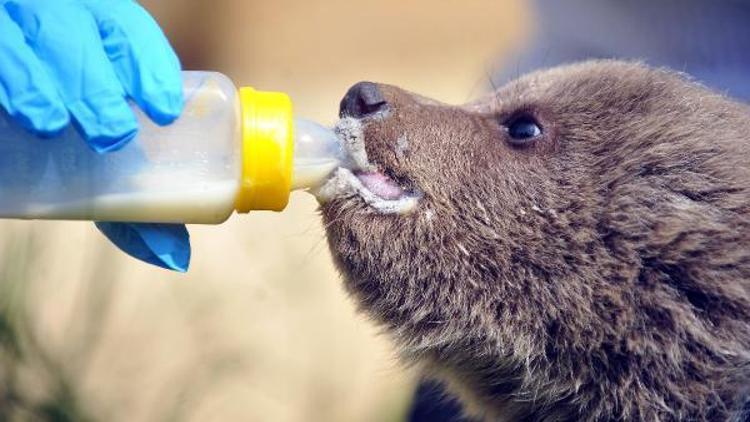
(313, 173)
(206, 203)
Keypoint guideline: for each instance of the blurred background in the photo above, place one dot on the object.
(260, 328)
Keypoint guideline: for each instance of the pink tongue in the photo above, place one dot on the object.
(381, 185)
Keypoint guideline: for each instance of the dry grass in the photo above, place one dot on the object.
(260, 328)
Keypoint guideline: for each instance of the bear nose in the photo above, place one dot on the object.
(362, 99)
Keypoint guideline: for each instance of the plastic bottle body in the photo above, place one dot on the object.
(187, 172)
(198, 169)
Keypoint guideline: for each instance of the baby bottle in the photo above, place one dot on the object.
(230, 150)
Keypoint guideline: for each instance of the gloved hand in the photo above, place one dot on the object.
(78, 60)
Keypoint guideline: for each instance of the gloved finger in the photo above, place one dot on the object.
(144, 61)
(65, 38)
(26, 92)
(164, 245)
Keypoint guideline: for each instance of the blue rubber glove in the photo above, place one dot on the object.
(64, 61)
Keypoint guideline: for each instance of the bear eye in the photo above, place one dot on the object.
(523, 129)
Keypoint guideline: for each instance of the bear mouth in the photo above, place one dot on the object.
(379, 191)
(361, 179)
(381, 185)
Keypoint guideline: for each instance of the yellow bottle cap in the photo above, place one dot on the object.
(267, 150)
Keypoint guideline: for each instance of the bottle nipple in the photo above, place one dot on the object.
(317, 153)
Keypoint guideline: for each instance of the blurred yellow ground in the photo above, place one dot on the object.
(259, 329)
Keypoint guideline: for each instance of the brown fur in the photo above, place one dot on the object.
(601, 274)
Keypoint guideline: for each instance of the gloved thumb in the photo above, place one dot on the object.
(164, 245)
